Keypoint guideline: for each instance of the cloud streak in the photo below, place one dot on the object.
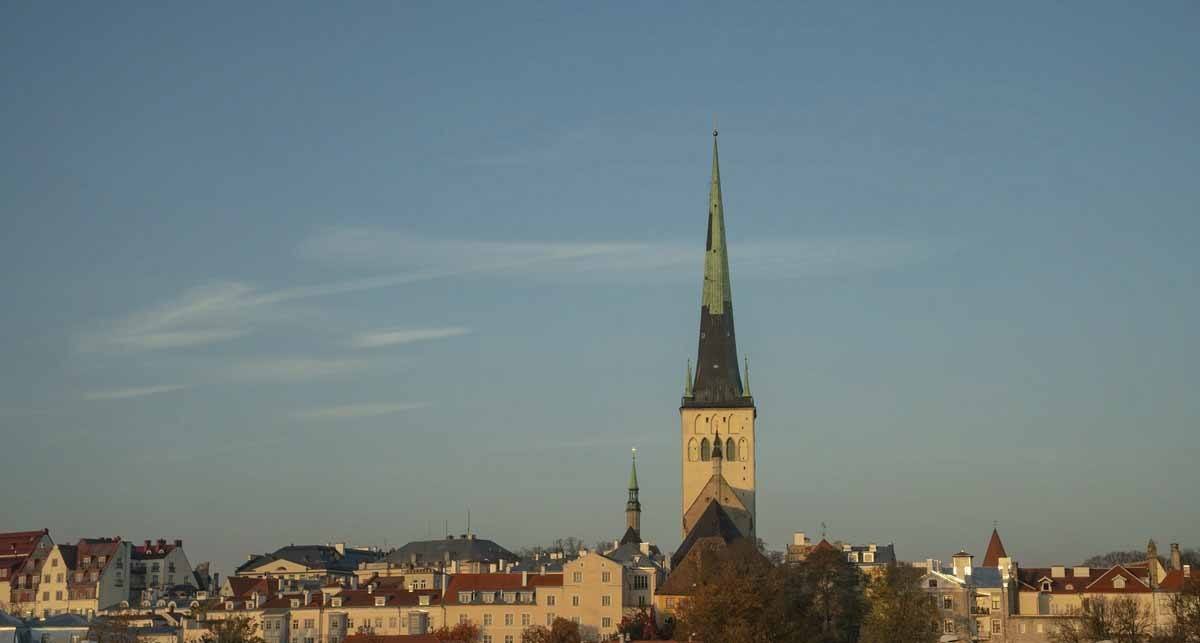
(293, 369)
(356, 411)
(396, 336)
(130, 393)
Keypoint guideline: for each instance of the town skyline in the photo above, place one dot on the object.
(323, 307)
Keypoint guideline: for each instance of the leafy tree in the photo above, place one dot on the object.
(459, 633)
(536, 634)
(832, 591)
(900, 611)
(640, 625)
(239, 629)
(1120, 620)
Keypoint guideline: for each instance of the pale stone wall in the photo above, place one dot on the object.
(736, 424)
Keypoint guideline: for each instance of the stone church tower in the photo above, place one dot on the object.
(717, 412)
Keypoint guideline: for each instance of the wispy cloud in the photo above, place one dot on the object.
(229, 310)
(355, 411)
(396, 336)
(293, 369)
(128, 393)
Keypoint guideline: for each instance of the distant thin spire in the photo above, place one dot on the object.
(746, 389)
(687, 381)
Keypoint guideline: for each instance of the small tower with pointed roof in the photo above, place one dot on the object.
(633, 506)
(716, 400)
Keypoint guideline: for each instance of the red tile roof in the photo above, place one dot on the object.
(20, 543)
(243, 587)
(498, 582)
(1175, 581)
(1096, 581)
(995, 551)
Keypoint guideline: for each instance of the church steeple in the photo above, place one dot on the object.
(633, 507)
(717, 382)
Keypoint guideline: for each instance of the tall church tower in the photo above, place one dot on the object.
(717, 413)
(633, 506)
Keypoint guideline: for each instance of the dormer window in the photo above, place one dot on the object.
(464, 597)
(489, 597)
(380, 601)
(1046, 586)
(295, 602)
(229, 605)
(510, 597)
(933, 582)
(852, 557)
(1119, 582)
(336, 601)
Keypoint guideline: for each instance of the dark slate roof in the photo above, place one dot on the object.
(986, 577)
(631, 536)
(8, 620)
(316, 556)
(62, 620)
(628, 552)
(713, 523)
(432, 552)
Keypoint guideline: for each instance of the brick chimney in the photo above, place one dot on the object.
(1176, 557)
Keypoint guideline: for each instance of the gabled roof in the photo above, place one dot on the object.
(1175, 581)
(686, 573)
(631, 536)
(713, 523)
(314, 557)
(1096, 580)
(995, 551)
(242, 587)
(20, 543)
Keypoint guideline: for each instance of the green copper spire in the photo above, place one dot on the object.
(717, 382)
(633, 485)
(717, 295)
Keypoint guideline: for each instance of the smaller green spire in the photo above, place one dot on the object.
(633, 485)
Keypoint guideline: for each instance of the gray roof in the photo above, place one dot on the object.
(432, 552)
(8, 620)
(631, 552)
(884, 554)
(986, 577)
(61, 620)
(317, 556)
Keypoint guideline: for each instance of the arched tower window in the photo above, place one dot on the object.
(743, 450)
(730, 451)
(705, 450)
(693, 450)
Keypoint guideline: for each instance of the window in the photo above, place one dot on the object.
(54, 562)
(575, 620)
(153, 567)
(464, 597)
(295, 624)
(693, 450)
(59, 577)
(393, 622)
(489, 597)
(868, 557)
(508, 620)
(1045, 586)
(336, 601)
(995, 602)
(577, 577)
(58, 595)
(380, 601)
(45, 596)
(349, 623)
(641, 581)
(487, 638)
(705, 450)
(606, 577)
(730, 452)
(526, 620)
(550, 600)
(508, 638)
(852, 557)
(549, 618)
(487, 620)
(1118, 583)
(743, 450)
(308, 623)
(333, 622)
(932, 582)
(606, 600)
(462, 619)
(947, 602)
(995, 626)
(1040, 628)
(575, 600)
(606, 622)
(379, 623)
(949, 626)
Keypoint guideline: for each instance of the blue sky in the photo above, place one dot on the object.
(301, 273)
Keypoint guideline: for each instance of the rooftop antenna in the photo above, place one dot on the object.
(714, 124)
(823, 528)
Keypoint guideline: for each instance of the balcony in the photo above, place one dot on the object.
(981, 611)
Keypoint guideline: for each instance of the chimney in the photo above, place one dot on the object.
(178, 542)
(524, 579)
(307, 597)
(1187, 571)
(1176, 557)
(147, 542)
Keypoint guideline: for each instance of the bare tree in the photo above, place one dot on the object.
(1121, 620)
